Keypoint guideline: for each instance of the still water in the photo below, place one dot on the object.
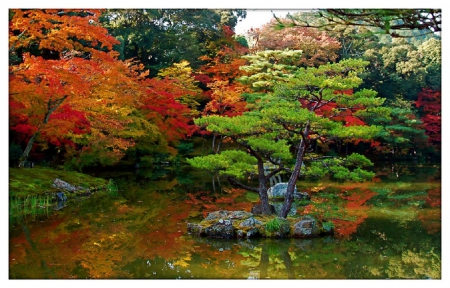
(387, 228)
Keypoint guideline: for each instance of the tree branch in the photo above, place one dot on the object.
(236, 183)
(274, 172)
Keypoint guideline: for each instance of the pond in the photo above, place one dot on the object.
(387, 228)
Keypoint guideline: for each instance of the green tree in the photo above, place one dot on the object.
(402, 70)
(269, 67)
(161, 37)
(313, 104)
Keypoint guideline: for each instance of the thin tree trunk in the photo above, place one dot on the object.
(295, 173)
(27, 150)
(51, 106)
(262, 179)
(213, 184)
(218, 145)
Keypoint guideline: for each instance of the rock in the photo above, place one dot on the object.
(63, 185)
(253, 233)
(279, 205)
(220, 230)
(302, 196)
(195, 229)
(250, 222)
(306, 227)
(279, 191)
(243, 225)
(240, 215)
(257, 209)
(223, 214)
(216, 215)
(61, 197)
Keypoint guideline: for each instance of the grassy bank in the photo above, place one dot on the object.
(24, 182)
(31, 193)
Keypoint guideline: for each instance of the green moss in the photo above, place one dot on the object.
(35, 181)
(277, 227)
(252, 196)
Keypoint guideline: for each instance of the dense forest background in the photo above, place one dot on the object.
(101, 88)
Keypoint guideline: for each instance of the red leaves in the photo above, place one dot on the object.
(24, 129)
(57, 30)
(161, 106)
(353, 121)
(430, 103)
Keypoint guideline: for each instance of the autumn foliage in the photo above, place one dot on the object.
(430, 103)
(69, 90)
(318, 48)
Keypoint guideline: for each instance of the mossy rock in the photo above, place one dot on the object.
(247, 225)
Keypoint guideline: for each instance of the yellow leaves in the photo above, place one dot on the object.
(375, 271)
(181, 73)
(317, 189)
(183, 261)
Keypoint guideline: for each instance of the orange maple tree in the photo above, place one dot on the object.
(63, 54)
(68, 89)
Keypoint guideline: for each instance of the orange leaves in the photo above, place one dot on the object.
(59, 30)
(431, 220)
(228, 200)
(206, 203)
(225, 99)
(70, 90)
(434, 197)
(346, 228)
(357, 199)
(222, 70)
(225, 65)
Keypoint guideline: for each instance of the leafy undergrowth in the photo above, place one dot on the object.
(24, 182)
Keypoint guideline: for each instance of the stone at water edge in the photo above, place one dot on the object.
(306, 227)
(250, 222)
(63, 185)
(221, 224)
(222, 214)
(221, 229)
(279, 191)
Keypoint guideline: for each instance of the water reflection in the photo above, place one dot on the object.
(142, 235)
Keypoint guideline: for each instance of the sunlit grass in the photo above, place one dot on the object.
(32, 206)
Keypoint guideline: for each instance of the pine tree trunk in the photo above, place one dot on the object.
(263, 189)
(289, 197)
